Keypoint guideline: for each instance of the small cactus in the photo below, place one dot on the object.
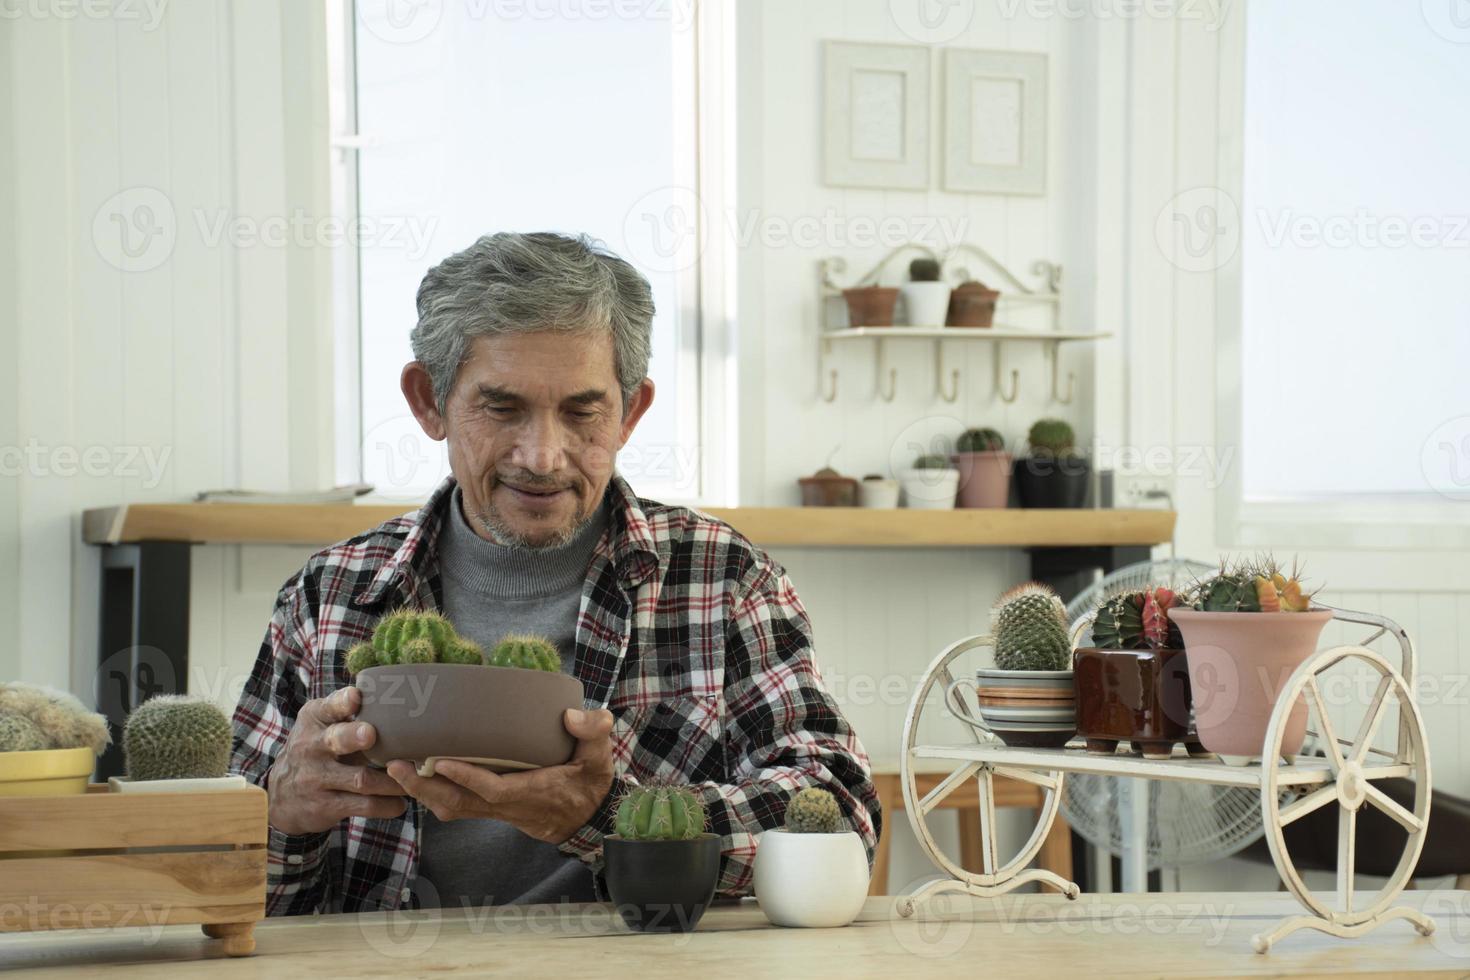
(659, 813)
(979, 441)
(19, 734)
(176, 737)
(64, 722)
(1257, 586)
(360, 658)
(1137, 620)
(1051, 437)
(932, 461)
(1030, 628)
(814, 811)
(526, 652)
(462, 651)
(405, 625)
(924, 270)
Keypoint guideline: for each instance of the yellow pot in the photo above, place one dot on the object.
(49, 772)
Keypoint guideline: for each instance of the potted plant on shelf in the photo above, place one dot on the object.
(870, 306)
(878, 492)
(828, 488)
(984, 467)
(930, 484)
(49, 741)
(971, 304)
(661, 864)
(1054, 474)
(431, 694)
(925, 295)
(1245, 631)
(176, 744)
(1027, 699)
(813, 873)
(1133, 682)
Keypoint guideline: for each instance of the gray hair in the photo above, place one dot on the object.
(519, 283)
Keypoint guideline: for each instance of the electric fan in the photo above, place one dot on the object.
(1151, 823)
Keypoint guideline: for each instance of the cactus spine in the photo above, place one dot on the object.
(814, 811)
(1030, 628)
(659, 813)
(176, 737)
(526, 652)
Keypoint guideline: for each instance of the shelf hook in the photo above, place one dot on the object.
(1015, 380)
(831, 395)
(831, 374)
(1071, 378)
(954, 375)
(892, 376)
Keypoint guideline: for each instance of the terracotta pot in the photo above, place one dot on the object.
(1024, 708)
(985, 478)
(662, 885)
(972, 304)
(1238, 663)
(870, 306)
(828, 491)
(1135, 696)
(503, 718)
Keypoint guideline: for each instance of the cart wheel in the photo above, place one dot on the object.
(996, 877)
(1351, 775)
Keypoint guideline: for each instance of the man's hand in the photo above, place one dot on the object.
(548, 804)
(311, 788)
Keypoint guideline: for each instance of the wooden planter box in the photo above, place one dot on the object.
(109, 859)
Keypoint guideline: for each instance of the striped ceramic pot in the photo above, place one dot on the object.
(1023, 708)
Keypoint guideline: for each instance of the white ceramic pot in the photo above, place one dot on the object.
(927, 303)
(812, 881)
(217, 784)
(929, 489)
(878, 494)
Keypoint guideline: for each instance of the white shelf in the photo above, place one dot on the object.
(1306, 772)
(958, 333)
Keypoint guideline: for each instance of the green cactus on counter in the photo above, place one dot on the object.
(659, 813)
(19, 734)
(176, 737)
(979, 441)
(526, 652)
(1051, 437)
(814, 811)
(1029, 624)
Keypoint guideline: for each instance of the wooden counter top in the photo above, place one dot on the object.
(1196, 935)
(814, 527)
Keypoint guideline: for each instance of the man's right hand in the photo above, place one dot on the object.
(311, 788)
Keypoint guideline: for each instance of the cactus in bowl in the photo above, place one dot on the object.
(35, 718)
(406, 636)
(659, 813)
(813, 872)
(1030, 628)
(661, 864)
(814, 811)
(1054, 474)
(526, 652)
(176, 737)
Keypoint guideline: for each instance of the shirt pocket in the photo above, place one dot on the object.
(675, 740)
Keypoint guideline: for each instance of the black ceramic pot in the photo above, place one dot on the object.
(662, 885)
(1048, 481)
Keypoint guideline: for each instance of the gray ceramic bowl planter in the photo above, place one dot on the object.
(504, 718)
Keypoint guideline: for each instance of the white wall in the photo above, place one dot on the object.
(217, 362)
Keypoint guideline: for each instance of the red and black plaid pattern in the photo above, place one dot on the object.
(690, 635)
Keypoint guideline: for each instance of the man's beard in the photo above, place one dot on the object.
(491, 522)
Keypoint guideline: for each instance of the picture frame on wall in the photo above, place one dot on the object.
(875, 115)
(995, 106)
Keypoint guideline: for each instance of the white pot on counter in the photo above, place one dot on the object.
(812, 881)
(929, 489)
(927, 303)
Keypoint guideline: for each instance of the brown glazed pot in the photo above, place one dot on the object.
(828, 491)
(504, 718)
(1238, 664)
(972, 304)
(985, 478)
(1135, 696)
(870, 306)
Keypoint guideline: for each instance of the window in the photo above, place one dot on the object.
(466, 119)
(1355, 255)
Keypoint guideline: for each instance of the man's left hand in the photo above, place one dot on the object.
(548, 804)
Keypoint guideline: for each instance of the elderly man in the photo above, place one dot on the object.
(695, 655)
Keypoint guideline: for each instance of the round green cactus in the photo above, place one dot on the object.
(526, 652)
(19, 734)
(1230, 591)
(417, 651)
(924, 270)
(659, 813)
(176, 737)
(1051, 437)
(814, 811)
(932, 461)
(462, 651)
(1030, 628)
(405, 625)
(361, 657)
(980, 441)
(64, 722)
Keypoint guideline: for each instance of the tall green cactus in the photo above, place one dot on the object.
(526, 652)
(814, 811)
(1030, 628)
(659, 813)
(176, 737)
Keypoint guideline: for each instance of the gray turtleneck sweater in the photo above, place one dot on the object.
(491, 590)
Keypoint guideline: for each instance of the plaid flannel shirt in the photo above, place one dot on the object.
(693, 637)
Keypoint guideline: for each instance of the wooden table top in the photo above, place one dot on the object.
(1176, 935)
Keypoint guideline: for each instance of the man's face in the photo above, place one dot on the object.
(534, 423)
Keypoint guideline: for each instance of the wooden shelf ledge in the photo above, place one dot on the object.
(808, 527)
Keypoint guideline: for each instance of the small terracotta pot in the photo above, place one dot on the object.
(1135, 696)
(971, 304)
(870, 306)
(1238, 664)
(504, 718)
(828, 491)
(985, 478)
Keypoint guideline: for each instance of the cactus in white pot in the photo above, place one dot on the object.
(812, 873)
